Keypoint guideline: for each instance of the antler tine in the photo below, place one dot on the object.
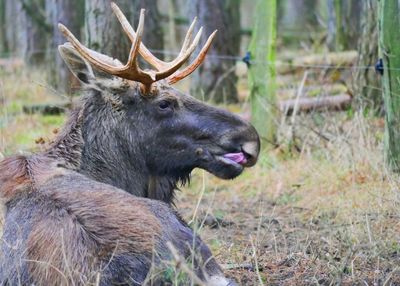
(85, 52)
(188, 36)
(138, 40)
(194, 65)
(146, 54)
(178, 62)
(131, 69)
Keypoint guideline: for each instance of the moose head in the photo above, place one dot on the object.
(143, 135)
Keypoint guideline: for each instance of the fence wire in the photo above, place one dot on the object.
(243, 59)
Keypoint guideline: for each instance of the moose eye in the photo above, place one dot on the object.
(164, 104)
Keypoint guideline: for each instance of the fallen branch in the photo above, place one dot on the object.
(323, 103)
(46, 109)
(329, 60)
(313, 91)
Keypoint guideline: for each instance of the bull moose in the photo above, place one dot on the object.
(69, 219)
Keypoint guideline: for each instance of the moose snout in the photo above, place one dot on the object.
(250, 145)
(251, 150)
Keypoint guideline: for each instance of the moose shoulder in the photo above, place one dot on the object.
(62, 228)
(141, 134)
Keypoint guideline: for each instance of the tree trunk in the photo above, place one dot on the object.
(15, 20)
(343, 24)
(70, 14)
(36, 31)
(262, 72)
(153, 36)
(331, 26)
(297, 15)
(367, 84)
(390, 47)
(216, 79)
(104, 33)
(3, 39)
(22, 35)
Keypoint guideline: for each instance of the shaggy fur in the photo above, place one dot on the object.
(68, 220)
(147, 145)
(63, 228)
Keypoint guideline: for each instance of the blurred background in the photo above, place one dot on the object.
(322, 205)
(264, 51)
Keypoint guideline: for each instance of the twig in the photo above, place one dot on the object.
(255, 261)
(181, 264)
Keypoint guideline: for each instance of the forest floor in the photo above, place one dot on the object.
(320, 209)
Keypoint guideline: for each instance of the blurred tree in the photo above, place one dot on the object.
(104, 33)
(153, 33)
(390, 47)
(23, 33)
(216, 79)
(262, 71)
(3, 39)
(69, 13)
(367, 84)
(343, 24)
(296, 17)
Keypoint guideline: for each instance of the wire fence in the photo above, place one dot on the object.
(245, 58)
(325, 132)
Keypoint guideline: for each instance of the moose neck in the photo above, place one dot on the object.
(90, 144)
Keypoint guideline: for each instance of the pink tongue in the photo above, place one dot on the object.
(236, 157)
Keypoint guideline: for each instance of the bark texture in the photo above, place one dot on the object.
(216, 79)
(70, 14)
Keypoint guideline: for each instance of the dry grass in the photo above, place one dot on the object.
(320, 210)
(327, 215)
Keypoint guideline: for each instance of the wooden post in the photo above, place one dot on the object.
(390, 49)
(262, 72)
(339, 26)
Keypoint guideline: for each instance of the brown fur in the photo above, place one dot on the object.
(62, 228)
(91, 233)
(14, 177)
(83, 223)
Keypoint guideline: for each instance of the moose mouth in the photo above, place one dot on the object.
(238, 158)
(230, 164)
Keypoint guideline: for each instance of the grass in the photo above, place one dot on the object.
(327, 214)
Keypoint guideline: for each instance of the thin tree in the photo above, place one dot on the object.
(67, 13)
(390, 48)
(262, 72)
(343, 24)
(3, 39)
(296, 17)
(22, 35)
(216, 79)
(368, 93)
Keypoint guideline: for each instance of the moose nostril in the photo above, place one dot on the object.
(251, 150)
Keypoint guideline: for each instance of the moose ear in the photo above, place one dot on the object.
(82, 69)
(78, 65)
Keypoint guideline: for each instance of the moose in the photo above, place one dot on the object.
(74, 213)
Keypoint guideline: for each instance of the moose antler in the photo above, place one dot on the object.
(131, 69)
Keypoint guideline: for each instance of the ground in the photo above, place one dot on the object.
(319, 209)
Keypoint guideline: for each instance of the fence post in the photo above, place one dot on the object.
(262, 72)
(390, 49)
